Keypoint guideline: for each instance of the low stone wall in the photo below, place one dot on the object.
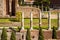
(7, 24)
(58, 34)
(27, 10)
(47, 34)
(34, 34)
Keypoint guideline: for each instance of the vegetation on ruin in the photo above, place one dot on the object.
(40, 36)
(27, 21)
(54, 33)
(28, 37)
(44, 4)
(44, 23)
(18, 16)
(35, 22)
(4, 34)
(13, 36)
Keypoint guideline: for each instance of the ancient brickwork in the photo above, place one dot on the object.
(6, 7)
(27, 10)
(34, 34)
(2, 8)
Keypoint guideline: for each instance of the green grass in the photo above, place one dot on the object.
(5, 20)
(54, 22)
(44, 23)
(35, 23)
(8, 20)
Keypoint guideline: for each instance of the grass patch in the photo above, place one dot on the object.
(44, 23)
(5, 20)
(8, 20)
(54, 22)
(35, 23)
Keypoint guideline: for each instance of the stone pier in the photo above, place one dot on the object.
(8, 7)
(2, 7)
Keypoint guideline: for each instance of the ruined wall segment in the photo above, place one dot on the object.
(8, 7)
(2, 7)
(27, 10)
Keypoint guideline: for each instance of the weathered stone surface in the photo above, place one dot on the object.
(58, 34)
(27, 10)
(34, 35)
(47, 34)
(9, 24)
(6, 7)
(2, 7)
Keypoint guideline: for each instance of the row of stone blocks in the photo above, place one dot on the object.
(34, 34)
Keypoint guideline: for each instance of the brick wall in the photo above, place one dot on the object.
(34, 35)
(27, 10)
